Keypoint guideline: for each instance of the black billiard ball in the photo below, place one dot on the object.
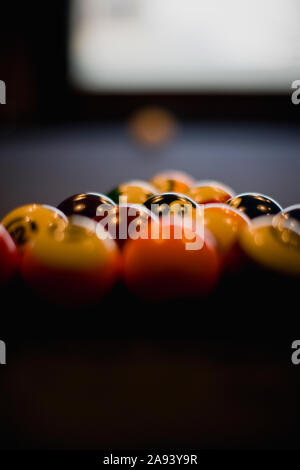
(292, 212)
(255, 204)
(93, 205)
(289, 219)
(175, 203)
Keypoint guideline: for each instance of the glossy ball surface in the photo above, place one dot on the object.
(161, 269)
(288, 219)
(8, 256)
(27, 222)
(132, 192)
(255, 205)
(292, 212)
(226, 223)
(204, 192)
(73, 265)
(172, 181)
(92, 205)
(129, 221)
(272, 246)
(175, 203)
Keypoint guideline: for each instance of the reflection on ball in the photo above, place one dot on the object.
(172, 181)
(226, 223)
(255, 205)
(272, 245)
(132, 192)
(93, 205)
(292, 212)
(71, 265)
(27, 222)
(204, 192)
(178, 204)
(129, 221)
(161, 269)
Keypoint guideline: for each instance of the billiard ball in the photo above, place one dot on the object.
(255, 204)
(74, 265)
(204, 192)
(132, 192)
(25, 223)
(176, 207)
(225, 223)
(172, 181)
(272, 246)
(176, 203)
(162, 269)
(292, 212)
(129, 221)
(93, 205)
(8, 256)
(288, 219)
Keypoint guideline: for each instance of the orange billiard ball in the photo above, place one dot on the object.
(167, 268)
(172, 181)
(206, 191)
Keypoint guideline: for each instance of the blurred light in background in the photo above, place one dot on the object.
(152, 126)
(209, 45)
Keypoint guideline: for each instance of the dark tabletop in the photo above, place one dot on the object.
(208, 373)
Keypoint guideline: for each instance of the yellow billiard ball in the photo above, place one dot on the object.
(226, 223)
(132, 192)
(25, 223)
(73, 265)
(273, 245)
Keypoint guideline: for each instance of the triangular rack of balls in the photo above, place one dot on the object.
(77, 252)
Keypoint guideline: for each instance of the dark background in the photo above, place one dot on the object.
(34, 64)
(56, 140)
